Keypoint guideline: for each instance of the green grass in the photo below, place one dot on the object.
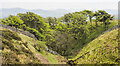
(102, 50)
(51, 58)
(20, 49)
(32, 41)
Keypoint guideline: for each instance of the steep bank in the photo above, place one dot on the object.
(102, 50)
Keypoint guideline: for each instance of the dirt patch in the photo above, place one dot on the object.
(42, 59)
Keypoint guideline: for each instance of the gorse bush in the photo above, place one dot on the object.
(7, 34)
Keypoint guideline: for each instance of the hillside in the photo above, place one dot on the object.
(21, 49)
(102, 50)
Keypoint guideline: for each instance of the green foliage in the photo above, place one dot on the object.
(52, 22)
(13, 21)
(35, 24)
(33, 20)
(37, 34)
(67, 17)
(103, 16)
(61, 27)
(89, 14)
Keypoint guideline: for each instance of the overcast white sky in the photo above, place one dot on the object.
(60, 4)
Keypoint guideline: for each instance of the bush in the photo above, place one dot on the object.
(9, 35)
(38, 35)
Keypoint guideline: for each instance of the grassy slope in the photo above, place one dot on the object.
(94, 32)
(24, 51)
(53, 59)
(103, 49)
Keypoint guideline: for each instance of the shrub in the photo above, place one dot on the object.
(38, 35)
(9, 35)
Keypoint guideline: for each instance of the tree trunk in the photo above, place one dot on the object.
(96, 24)
(90, 20)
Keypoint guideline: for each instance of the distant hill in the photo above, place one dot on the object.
(43, 13)
(5, 12)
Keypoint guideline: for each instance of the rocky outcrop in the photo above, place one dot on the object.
(51, 51)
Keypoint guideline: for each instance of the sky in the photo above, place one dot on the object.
(60, 4)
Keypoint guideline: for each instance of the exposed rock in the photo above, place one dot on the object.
(51, 51)
(19, 30)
